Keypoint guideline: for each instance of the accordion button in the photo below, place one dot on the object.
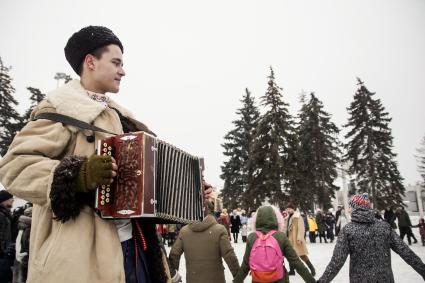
(107, 200)
(105, 149)
(138, 172)
(109, 153)
(109, 148)
(102, 202)
(102, 197)
(102, 192)
(107, 195)
(103, 186)
(105, 144)
(108, 189)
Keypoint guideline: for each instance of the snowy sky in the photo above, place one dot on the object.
(188, 62)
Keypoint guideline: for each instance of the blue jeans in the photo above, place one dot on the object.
(136, 269)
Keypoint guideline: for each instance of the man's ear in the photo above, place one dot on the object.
(89, 61)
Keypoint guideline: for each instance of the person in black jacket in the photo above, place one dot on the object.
(330, 224)
(337, 215)
(235, 224)
(390, 217)
(369, 242)
(321, 225)
(405, 225)
(6, 253)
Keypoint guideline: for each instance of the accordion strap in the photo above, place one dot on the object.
(70, 121)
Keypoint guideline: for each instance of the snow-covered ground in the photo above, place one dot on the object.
(320, 255)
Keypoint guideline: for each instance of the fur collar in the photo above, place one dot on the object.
(72, 100)
(295, 215)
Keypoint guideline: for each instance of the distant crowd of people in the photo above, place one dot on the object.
(283, 232)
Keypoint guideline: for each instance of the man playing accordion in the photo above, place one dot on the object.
(53, 165)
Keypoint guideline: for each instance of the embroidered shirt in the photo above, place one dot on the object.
(98, 97)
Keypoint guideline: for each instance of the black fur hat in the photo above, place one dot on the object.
(87, 40)
(5, 195)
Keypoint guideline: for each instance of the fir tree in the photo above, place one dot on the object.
(36, 97)
(10, 120)
(352, 189)
(268, 166)
(369, 149)
(237, 149)
(421, 160)
(318, 152)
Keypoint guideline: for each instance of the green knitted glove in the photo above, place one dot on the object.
(95, 171)
(210, 207)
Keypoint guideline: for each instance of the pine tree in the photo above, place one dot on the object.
(237, 149)
(352, 188)
(421, 160)
(10, 120)
(318, 152)
(36, 97)
(369, 149)
(268, 166)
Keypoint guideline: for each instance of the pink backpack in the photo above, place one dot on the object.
(266, 258)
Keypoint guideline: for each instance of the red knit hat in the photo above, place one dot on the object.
(358, 201)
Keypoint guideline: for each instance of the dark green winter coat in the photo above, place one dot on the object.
(204, 244)
(266, 221)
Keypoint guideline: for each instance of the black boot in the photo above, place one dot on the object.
(311, 267)
(291, 272)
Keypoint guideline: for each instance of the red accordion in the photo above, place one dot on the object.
(155, 180)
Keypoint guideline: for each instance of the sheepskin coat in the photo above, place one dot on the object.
(295, 232)
(85, 248)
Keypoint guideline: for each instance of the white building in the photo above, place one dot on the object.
(415, 199)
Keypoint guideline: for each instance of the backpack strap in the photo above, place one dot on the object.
(269, 234)
(264, 237)
(259, 234)
(56, 117)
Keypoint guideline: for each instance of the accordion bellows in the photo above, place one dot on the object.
(155, 181)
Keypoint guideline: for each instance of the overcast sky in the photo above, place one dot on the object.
(188, 62)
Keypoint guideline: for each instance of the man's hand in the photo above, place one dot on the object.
(208, 189)
(95, 171)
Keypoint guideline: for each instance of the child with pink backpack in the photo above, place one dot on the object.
(266, 249)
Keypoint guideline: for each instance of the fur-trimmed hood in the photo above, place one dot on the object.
(72, 100)
(203, 225)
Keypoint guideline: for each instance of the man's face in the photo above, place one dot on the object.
(108, 70)
(8, 203)
(290, 210)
